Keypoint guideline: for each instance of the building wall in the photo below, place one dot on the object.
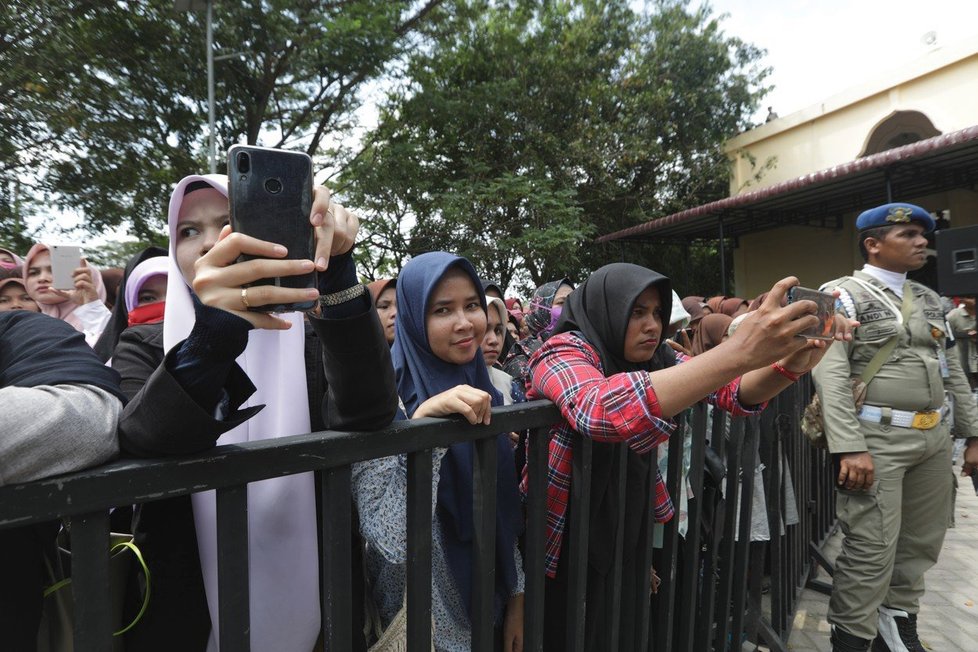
(943, 85)
(817, 255)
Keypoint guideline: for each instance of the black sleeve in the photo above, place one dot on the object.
(362, 393)
(137, 354)
(161, 417)
(202, 362)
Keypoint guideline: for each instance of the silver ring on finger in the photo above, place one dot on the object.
(244, 298)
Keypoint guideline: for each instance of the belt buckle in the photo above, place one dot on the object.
(925, 420)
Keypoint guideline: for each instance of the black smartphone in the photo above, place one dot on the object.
(270, 194)
(825, 312)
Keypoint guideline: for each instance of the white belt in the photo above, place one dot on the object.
(900, 418)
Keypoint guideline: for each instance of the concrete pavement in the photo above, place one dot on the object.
(948, 619)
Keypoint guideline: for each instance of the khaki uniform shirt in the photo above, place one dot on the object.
(911, 379)
(961, 323)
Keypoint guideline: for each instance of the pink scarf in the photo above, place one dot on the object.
(64, 309)
(18, 261)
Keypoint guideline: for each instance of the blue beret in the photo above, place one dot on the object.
(892, 214)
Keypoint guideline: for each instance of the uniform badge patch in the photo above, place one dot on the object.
(898, 214)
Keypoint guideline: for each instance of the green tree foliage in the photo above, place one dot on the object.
(527, 128)
(105, 103)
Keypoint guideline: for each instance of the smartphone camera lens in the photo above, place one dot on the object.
(244, 162)
(274, 186)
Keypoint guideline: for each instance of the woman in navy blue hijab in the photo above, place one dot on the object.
(440, 372)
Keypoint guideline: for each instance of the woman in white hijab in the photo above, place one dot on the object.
(225, 375)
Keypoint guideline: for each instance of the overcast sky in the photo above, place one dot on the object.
(818, 48)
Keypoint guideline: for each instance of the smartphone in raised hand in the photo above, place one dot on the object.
(270, 195)
(65, 259)
(825, 304)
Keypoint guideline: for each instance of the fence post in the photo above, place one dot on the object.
(418, 575)
(688, 577)
(665, 600)
(483, 542)
(536, 537)
(234, 608)
(577, 545)
(336, 560)
(90, 581)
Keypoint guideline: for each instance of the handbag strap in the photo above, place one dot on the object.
(142, 562)
(878, 360)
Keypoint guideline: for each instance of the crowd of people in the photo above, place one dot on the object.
(185, 359)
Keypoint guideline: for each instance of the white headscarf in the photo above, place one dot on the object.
(283, 562)
(155, 266)
(500, 379)
(679, 317)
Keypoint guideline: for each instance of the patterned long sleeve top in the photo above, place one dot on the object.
(620, 408)
(380, 492)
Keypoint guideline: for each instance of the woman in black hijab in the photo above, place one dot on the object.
(614, 384)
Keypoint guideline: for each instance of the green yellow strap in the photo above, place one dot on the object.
(142, 562)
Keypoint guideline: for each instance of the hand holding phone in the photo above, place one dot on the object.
(270, 195)
(825, 312)
(65, 259)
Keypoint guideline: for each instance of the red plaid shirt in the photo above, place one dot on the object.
(620, 408)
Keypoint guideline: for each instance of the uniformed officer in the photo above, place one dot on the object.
(893, 455)
(962, 323)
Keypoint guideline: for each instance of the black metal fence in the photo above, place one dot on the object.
(711, 592)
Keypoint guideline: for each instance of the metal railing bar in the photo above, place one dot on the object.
(729, 544)
(136, 481)
(707, 602)
(536, 537)
(665, 601)
(418, 572)
(576, 563)
(90, 577)
(484, 463)
(234, 608)
(336, 562)
(772, 456)
(689, 573)
(704, 595)
(644, 587)
(742, 549)
(614, 608)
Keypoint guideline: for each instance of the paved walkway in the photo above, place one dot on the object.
(948, 619)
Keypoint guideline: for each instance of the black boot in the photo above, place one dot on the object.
(845, 642)
(897, 632)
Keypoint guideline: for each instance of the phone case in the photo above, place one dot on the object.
(65, 259)
(826, 312)
(270, 195)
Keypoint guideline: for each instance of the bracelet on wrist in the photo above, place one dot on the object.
(336, 298)
(790, 375)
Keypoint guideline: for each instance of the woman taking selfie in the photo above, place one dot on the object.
(613, 383)
(215, 372)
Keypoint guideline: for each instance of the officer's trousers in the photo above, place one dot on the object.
(893, 531)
